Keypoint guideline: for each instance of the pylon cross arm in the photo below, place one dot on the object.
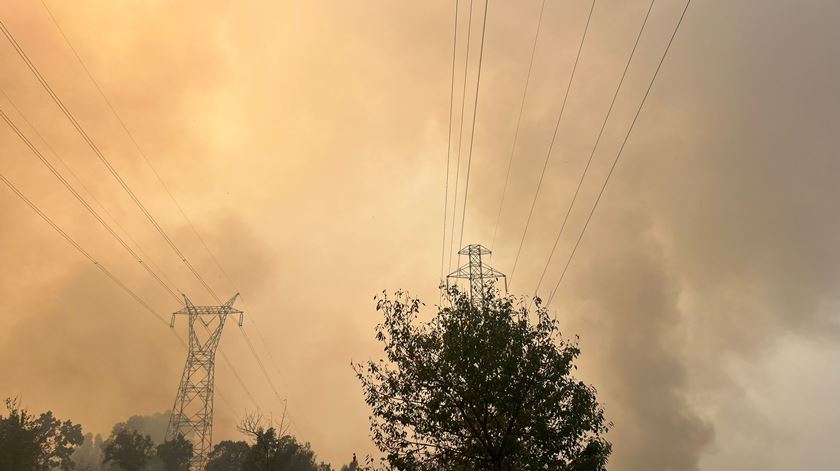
(476, 271)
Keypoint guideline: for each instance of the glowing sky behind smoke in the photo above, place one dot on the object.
(307, 142)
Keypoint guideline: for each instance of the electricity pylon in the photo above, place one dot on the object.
(192, 414)
(476, 271)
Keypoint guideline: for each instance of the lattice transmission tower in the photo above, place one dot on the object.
(192, 414)
(476, 271)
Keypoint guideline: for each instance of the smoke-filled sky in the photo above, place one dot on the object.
(307, 143)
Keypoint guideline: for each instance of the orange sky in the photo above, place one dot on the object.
(307, 143)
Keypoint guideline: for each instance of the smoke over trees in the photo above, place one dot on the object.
(30, 442)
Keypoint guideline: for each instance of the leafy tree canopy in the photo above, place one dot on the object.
(228, 455)
(128, 449)
(39, 443)
(175, 454)
(483, 385)
(275, 450)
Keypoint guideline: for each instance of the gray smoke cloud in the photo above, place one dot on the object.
(308, 143)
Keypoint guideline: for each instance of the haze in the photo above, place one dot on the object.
(307, 143)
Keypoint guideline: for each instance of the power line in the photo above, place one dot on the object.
(518, 123)
(110, 275)
(475, 117)
(264, 343)
(134, 141)
(460, 135)
(255, 354)
(102, 157)
(90, 257)
(620, 150)
(112, 170)
(551, 145)
(157, 176)
(84, 203)
(594, 147)
(87, 206)
(260, 363)
(82, 251)
(449, 141)
(236, 375)
(85, 189)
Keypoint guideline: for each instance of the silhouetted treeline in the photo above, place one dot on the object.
(30, 442)
(486, 384)
(36, 442)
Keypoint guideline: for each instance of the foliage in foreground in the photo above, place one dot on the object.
(482, 386)
(39, 443)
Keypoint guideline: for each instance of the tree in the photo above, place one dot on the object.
(88, 455)
(352, 466)
(34, 443)
(128, 449)
(228, 456)
(175, 454)
(482, 386)
(153, 425)
(275, 450)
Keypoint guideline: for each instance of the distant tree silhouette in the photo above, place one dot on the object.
(352, 466)
(131, 448)
(88, 455)
(41, 443)
(153, 425)
(228, 456)
(175, 454)
(128, 449)
(482, 386)
(274, 450)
